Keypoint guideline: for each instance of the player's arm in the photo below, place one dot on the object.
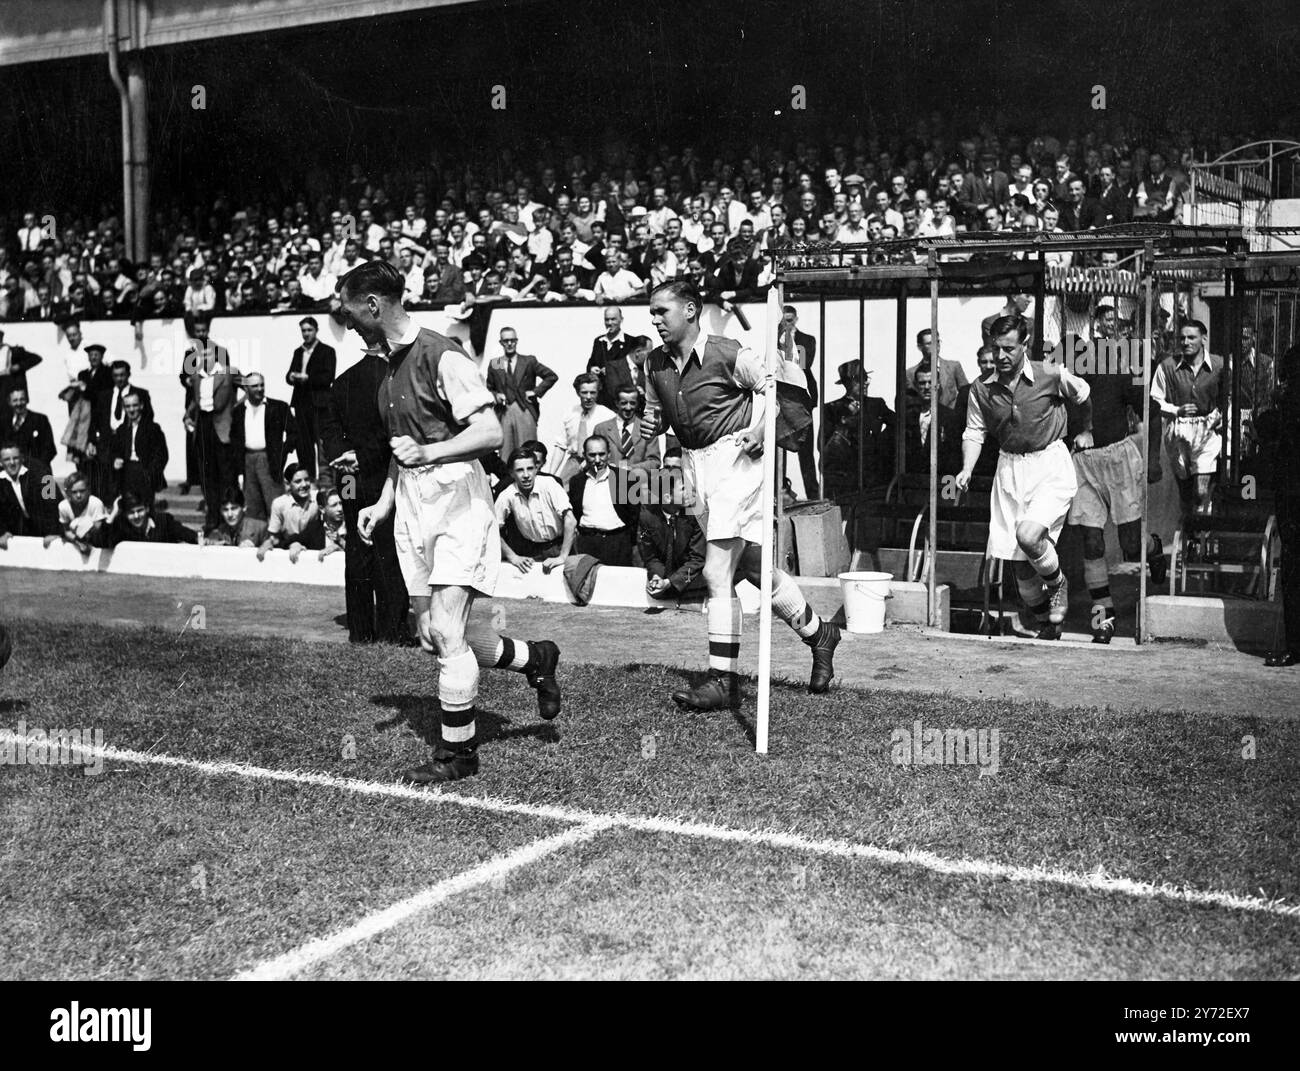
(1160, 392)
(1077, 392)
(972, 441)
(652, 421)
(751, 374)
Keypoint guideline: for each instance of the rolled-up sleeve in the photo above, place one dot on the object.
(751, 371)
(461, 384)
(975, 430)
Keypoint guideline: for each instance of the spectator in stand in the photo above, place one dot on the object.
(579, 422)
(136, 453)
(536, 519)
(200, 296)
(333, 524)
(1255, 384)
(135, 522)
(212, 389)
(952, 377)
(627, 450)
(295, 523)
(311, 372)
(606, 521)
(28, 496)
(518, 381)
(613, 361)
(80, 512)
(261, 435)
(14, 364)
(29, 429)
(670, 539)
(572, 291)
(237, 528)
(616, 282)
(1113, 202)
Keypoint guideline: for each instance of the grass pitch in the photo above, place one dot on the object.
(146, 871)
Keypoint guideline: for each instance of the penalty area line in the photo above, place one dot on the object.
(1097, 881)
(299, 959)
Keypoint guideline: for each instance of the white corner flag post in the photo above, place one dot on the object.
(774, 305)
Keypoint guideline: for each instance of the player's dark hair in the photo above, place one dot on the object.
(374, 277)
(233, 496)
(1004, 325)
(683, 290)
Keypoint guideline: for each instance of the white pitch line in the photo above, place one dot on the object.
(299, 959)
(983, 868)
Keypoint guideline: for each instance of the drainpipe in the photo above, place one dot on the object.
(128, 186)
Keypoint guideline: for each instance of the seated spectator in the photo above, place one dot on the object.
(29, 429)
(670, 538)
(605, 524)
(135, 523)
(627, 450)
(616, 282)
(295, 523)
(200, 296)
(80, 512)
(27, 497)
(236, 528)
(536, 518)
(330, 503)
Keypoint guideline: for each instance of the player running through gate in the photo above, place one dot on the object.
(707, 390)
(440, 419)
(1022, 404)
(1108, 470)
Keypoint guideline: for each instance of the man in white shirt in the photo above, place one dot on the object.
(854, 232)
(616, 283)
(660, 213)
(605, 531)
(413, 274)
(693, 225)
(542, 527)
(579, 422)
(30, 236)
(80, 512)
(757, 212)
(317, 283)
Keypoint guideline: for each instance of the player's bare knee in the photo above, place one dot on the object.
(1031, 537)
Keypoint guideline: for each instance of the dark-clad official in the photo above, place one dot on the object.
(1278, 429)
(138, 454)
(356, 444)
(108, 411)
(311, 372)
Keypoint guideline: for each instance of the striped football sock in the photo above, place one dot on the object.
(724, 637)
(498, 652)
(1048, 566)
(791, 607)
(457, 690)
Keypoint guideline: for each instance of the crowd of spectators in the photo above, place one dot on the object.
(580, 230)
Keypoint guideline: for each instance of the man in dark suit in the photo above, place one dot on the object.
(356, 444)
(517, 381)
(671, 540)
(14, 363)
(29, 429)
(138, 453)
(918, 428)
(606, 526)
(310, 374)
(734, 278)
(210, 401)
(618, 359)
(627, 450)
(29, 497)
(108, 411)
(802, 349)
(261, 434)
(988, 186)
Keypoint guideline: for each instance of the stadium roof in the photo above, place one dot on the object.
(57, 29)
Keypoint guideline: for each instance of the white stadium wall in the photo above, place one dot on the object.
(560, 337)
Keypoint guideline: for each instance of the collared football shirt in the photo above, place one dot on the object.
(1027, 416)
(708, 395)
(1177, 383)
(432, 388)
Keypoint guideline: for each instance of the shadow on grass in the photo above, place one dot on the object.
(12, 706)
(418, 712)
